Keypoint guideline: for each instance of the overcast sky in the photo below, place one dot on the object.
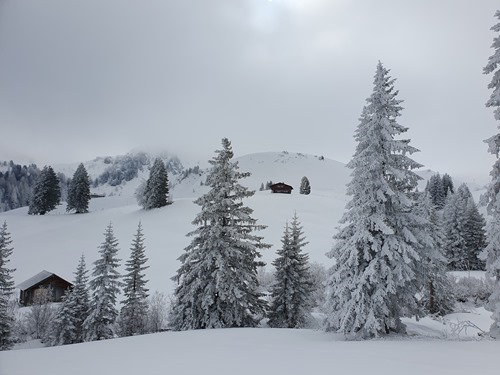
(87, 78)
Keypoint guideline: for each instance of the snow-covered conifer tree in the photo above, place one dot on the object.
(133, 315)
(437, 296)
(46, 193)
(475, 235)
(291, 293)
(436, 191)
(453, 231)
(464, 234)
(156, 189)
(63, 330)
(305, 186)
(79, 191)
(491, 198)
(68, 324)
(105, 286)
(377, 273)
(217, 281)
(6, 289)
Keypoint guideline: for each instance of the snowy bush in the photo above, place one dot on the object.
(158, 312)
(472, 290)
(41, 314)
(266, 278)
(319, 275)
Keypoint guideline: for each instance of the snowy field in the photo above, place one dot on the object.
(251, 351)
(54, 242)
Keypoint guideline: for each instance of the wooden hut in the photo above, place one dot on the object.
(282, 188)
(45, 279)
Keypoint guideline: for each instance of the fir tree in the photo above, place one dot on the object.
(475, 235)
(105, 285)
(135, 306)
(305, 186)
(291, 293)
(491, 198)
(79, 191)
(437, 296)
(156, 190)
(46, 193)
(439, 188)
(436, 191)
(464, 232)
(453, 228)
(217, 281)
(377, 272)
(6, 289)
(74, 309)
(63, 329)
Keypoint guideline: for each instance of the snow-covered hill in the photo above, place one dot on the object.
(55, 241)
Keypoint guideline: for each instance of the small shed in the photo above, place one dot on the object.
(282, 188)
(45, 279)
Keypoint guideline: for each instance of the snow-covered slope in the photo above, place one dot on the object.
(248, 351)
(54, 242)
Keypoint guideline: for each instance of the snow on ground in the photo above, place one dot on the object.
(257, 350)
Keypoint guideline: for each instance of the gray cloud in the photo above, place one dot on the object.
(85, 78)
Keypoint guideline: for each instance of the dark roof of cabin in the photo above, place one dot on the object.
(38, 278)
(281, 184)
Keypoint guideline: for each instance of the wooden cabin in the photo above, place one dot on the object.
(282, 188)
(45, 279)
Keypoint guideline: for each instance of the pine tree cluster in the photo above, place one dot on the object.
(88, 311)
(16, 183)
(439, 188)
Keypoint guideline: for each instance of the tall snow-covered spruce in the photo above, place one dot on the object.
(377, 275)
(135, 306)
(291, 293)
(79, 191)
(6, 289)
(492, 198)
(105, 286)
(217, 281)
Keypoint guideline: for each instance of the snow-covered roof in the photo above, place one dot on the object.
(35, 280)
